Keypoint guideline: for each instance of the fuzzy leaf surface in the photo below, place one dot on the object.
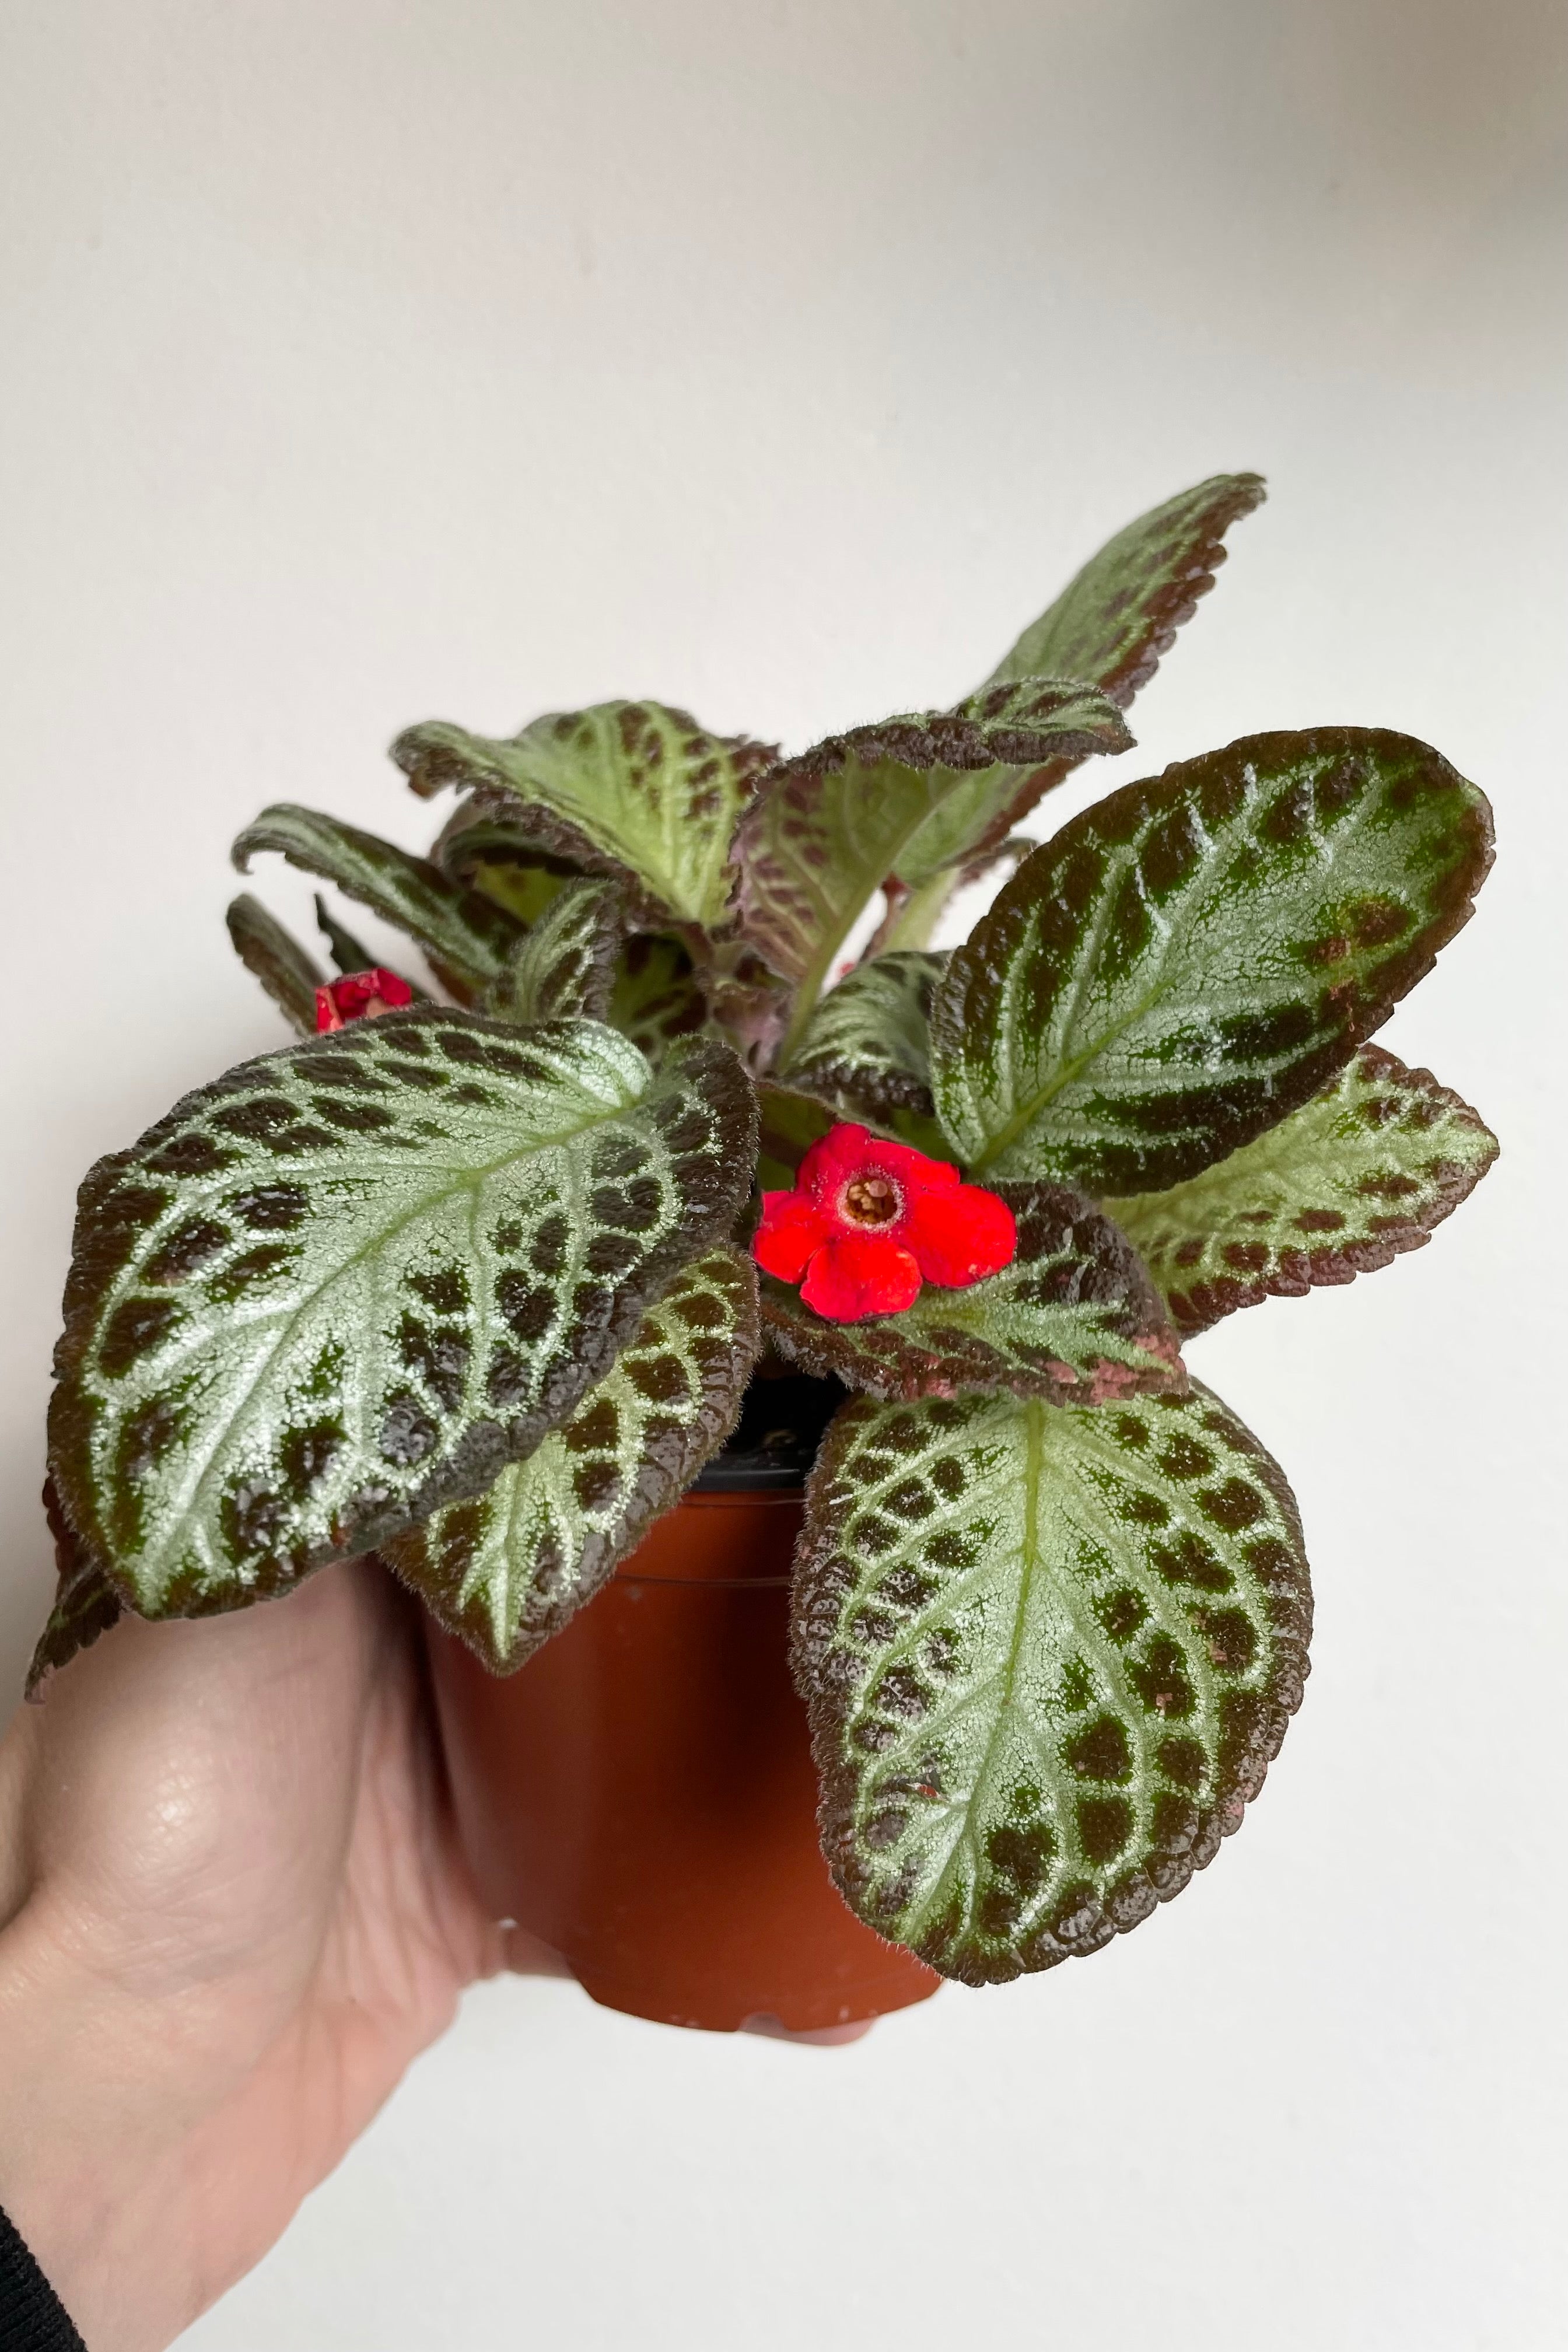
(1195, 956)
(348, 953)
(1366, 1170)
(86, 1604)
(657, 996)
(870, 1038)
(905, 799)
(632, 787)
(565, 965)
(1115, 620)
(288, 972)
(469, 939)
(347, 1282)
(505, 1571)
(1048, 1656)
(1074, 1319)
(483, 853)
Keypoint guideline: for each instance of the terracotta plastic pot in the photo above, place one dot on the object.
(641, 1796)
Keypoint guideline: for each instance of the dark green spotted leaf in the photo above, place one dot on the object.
(1194, 957)
(566, 964)
(1114, 621)
(86, 1604)
(349, 1282)
(867, 1040)
(791, 1123)
(1364, 1171)
(484, 854)
(469, 940)
(1074, 1319)
(348, 954)
(1048, 1656)
(657, 996)
(630, 788)
(287, 971)
(906, 798)
(507, 1570)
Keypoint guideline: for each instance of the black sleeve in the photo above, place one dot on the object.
(32, 2317)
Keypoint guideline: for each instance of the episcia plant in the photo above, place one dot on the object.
(476, 1281)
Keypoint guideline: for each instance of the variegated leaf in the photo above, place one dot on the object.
(467, 939)
(348, 954)
(506, 1570)
(1364, 1171)
(288, 972)
(868, 1040)
(633, 788)
(348, 1282)
(1048, 1656)
(657, 996)
(905, 798)
(566, 964)
(86, 1604)
(791, 1123)
(1114, 622)
(484, 854)
(1074, 1319)
(1192, 957)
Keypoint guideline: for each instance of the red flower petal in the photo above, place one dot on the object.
(960, 1235)
(791, 1231)
(359, 996)
(855, 1275)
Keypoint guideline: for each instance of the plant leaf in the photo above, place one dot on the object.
(791, 1123)
(1074, 1319)
(1048, 1656)
(1364, 1172)
(1192, 957)
(911, 916)
(469, 939)
(904, 798)
(485, 854)
(348, 1282)
(566, 963)
(657, 996)
(288, 973)
(869, 1038)
(1113, 622)
(86, 1604)
(625, 787)
(506, 1571)
(348, 954)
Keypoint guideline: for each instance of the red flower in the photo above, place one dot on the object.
(359, 997)
(868, 1220)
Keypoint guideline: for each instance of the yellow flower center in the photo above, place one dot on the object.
(870, 1201)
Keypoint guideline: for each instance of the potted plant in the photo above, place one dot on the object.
(484, 1282)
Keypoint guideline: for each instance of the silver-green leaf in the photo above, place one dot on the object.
(468, 938)
(506, 1570)
(1195, 956)
(1114, 622)
(1364, 1172)
(565, 965)
(1048, 1656)
(288, 972)
(347, 1282)
(868, 1039)
(1074, 1318)
(905, 798)
(626, 788)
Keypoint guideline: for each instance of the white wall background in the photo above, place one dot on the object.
(366, 363)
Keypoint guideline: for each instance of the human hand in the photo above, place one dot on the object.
(232, 1911)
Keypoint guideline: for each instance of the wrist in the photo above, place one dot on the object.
(93, 2141)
